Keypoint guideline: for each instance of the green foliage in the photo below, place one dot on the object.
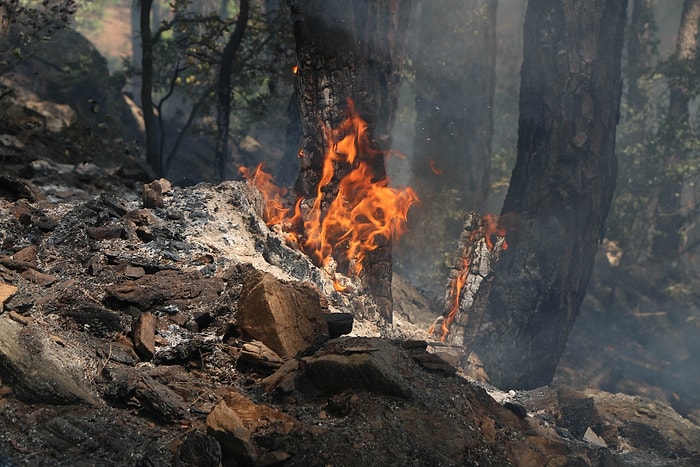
(187, 52)
(654, 151)
(24, 25)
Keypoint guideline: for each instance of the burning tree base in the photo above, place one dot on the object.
(479, 247)
(352, 219)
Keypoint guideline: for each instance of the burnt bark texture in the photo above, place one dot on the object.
(349, 50)
(453, 52)
(561, 187)
(670, 215)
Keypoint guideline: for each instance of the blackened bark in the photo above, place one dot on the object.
(454, 62)
(153, 154)
(349, 50)
(561, 188)
(223, 108)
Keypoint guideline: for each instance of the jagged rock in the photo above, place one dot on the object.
(6, 291)
(153, 193)
(632, 423)
(285, 316)
(357, 363)
(27, 255)
(236, 419)
(257, 354)
(144, 335)
(224, 424)
(39, 369)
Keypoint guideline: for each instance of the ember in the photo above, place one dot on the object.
(363, 209)
(434, 168)
(490, 234)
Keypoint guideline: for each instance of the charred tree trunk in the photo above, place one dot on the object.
(454, 61)
(561, 188)
(349, 50)
(153, 154)
(670, 216)
(223, 107)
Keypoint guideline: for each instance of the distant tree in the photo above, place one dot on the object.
(560, 190)
(670, 214)
(153, 153)
(454, 63)
(223, 109)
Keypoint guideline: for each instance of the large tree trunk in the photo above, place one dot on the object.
(454, 62)
(561, 187)
(349, 50)
(670, 216)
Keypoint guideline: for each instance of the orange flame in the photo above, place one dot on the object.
(434, 168)
(295, 69)
(275, 212)
(489, 230)
(363, 210)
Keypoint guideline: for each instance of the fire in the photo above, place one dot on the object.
(488, 232)
(363, 210)
(275, 212)
(434, 168)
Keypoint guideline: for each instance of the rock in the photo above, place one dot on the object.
(634, 422)
(39, 278)
(134, 272)
(27, 255)
(338, 324)
(13, 188)
(131, 385)
(591, 437)
(236, 419)
(576, 411)
(105, 232)
(144, 334)
(285, 316)
(153, 193)
(199, 450)
(6, 291)
(363, 364)
(257, 354)
(39, 369)
(365, 369)
(224, 424)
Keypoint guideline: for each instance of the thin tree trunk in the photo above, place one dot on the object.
(641, 49)
(223, 108)
(670, 217)
(153, 156)
(560, 191)
(349, 50)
